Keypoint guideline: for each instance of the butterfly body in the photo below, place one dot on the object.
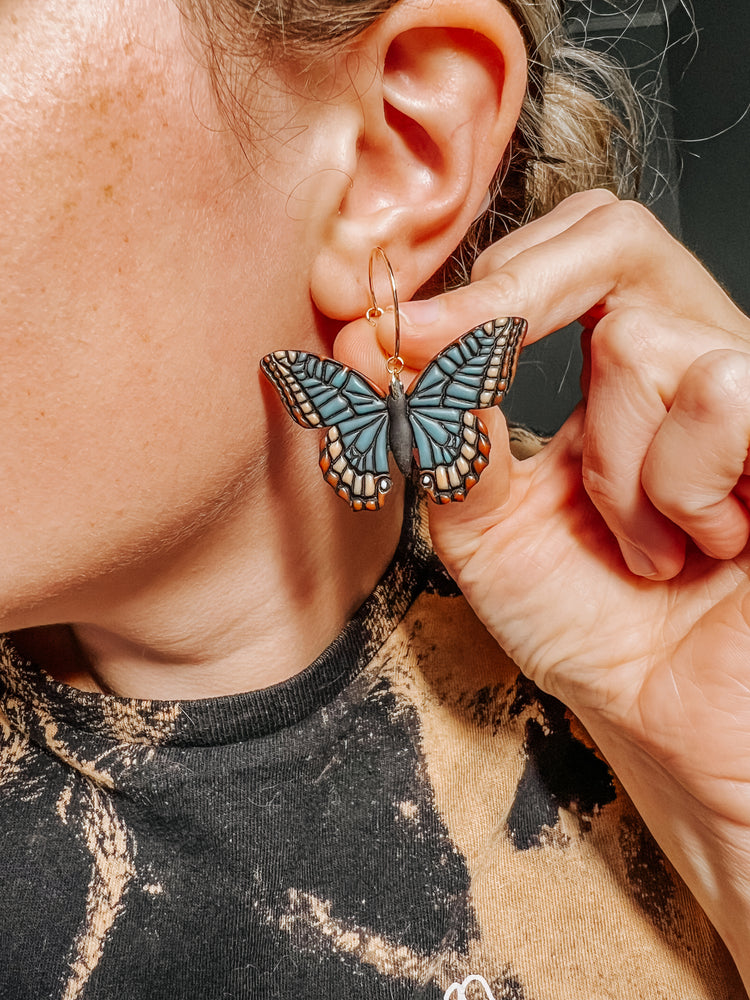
(400, 436)
(432, 420)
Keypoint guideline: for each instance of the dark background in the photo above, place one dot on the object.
(710, 95)
(700, 70)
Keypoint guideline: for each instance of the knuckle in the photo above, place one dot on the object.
(632, 217)
(485, 263)
(490, 261)
(715, 383)
(622, 338)
(593, 199)
(506, 288)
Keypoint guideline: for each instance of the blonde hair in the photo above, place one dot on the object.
(581, 125)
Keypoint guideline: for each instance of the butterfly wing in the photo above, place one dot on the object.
(319, 392)
(473, 372)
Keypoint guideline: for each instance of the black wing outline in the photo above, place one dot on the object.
(451, 442)
(472, 373)
(320, 392)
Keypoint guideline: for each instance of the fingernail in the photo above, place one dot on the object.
(638, 562)
(423, 311)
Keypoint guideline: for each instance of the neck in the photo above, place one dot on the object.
(247, 603)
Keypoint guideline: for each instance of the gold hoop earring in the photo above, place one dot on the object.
(433, 421)
(395, 363)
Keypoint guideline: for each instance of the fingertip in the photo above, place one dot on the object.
(652, 565)
(421, 312)
(426, 328)
(638, 561)
(357, 346)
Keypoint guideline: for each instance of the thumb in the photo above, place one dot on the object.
(360, 345)
(456, 528)
(520, 517)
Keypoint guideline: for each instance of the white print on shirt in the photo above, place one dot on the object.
(457, 991)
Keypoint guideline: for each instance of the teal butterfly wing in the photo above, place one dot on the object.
(472, 373)
(320, 392)
(434, 418)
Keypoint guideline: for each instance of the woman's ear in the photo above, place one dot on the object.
(435, 94)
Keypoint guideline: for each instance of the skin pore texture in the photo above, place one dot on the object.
(147, 265)
(154, 497)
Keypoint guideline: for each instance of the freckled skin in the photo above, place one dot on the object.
(147, 262)
(104, 166)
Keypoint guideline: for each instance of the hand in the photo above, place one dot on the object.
(613, 566)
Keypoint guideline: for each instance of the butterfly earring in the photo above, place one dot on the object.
(433, 419)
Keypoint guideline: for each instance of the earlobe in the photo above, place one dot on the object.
(435, 119)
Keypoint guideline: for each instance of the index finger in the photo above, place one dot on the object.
(614, 255)
(365, 343)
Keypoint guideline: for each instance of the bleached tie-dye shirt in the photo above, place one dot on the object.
(405, 814)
